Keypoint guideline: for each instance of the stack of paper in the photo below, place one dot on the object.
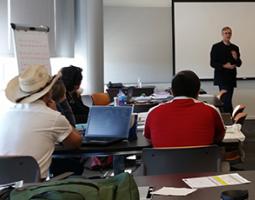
(142, 99)
(234, 133)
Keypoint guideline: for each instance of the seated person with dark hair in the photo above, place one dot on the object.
(61, 165)
(72, 77)
(184, 121)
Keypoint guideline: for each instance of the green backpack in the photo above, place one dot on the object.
(120, 187)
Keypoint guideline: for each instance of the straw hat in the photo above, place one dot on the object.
(32, 84)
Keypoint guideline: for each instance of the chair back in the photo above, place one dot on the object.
(222, 95)
(138, 108)
(87, 100)
(159, 161)
(16, 168)
(238, 109)
(100, 99)
(240, 118)
(136, 91)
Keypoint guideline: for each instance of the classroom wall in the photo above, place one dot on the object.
(118, 46)
(137, 44)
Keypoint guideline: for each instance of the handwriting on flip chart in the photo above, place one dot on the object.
(32, 47)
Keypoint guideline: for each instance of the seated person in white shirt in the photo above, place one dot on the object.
(33, 126)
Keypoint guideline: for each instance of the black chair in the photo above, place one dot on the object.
(143, 107)
(17, 168)
(221, 95)
(240, 118)
(235, 153)
(146, 90)
(238, 109)
(159, 161)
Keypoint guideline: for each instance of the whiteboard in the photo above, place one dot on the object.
(31, 47)
(197, 26)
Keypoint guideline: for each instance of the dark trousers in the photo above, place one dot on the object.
(62, 165)
(227, 99)
(118, 163)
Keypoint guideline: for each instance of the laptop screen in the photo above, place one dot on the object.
(109, 121)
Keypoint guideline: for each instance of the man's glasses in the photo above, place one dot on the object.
(227, 33)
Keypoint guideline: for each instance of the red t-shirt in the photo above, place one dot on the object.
(184, 122)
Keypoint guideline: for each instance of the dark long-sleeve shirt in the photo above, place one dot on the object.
(80, 110)
(220, 55)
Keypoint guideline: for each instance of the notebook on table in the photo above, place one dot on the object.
(107, 125)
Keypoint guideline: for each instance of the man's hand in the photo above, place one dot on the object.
(229, 66)
(52, 104)
(234, 54)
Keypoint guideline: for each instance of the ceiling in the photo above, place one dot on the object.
(138, 3)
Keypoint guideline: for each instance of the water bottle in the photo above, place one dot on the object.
(139, 83)
(122, 99)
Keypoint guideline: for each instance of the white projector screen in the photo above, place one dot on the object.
(197, 26)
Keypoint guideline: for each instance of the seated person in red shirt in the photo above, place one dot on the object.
(184, 121)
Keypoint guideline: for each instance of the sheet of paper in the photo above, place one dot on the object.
(172, 191)
(214, 181)
(143, 191)
(162, 95)
(140, 127)
(142, 117)
(233, 128)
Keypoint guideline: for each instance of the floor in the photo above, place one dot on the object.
(249, 146)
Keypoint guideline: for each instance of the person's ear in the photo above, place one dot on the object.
(197, 95)
(171, 91)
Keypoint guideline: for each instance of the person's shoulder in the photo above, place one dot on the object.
(160, 107)
(234, 46)
(46, 111)
(210, 108)
(218, 44)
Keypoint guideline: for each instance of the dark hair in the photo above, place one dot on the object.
(58, 90)
(71, 77)
(186, 83)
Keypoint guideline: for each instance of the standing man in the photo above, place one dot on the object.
(225, 57)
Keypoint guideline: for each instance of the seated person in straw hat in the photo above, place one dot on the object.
(33, 126)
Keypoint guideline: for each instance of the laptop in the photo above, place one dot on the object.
(107, 125)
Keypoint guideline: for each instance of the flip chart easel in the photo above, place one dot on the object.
(31, 46)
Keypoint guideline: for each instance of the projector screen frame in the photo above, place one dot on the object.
(173, 30)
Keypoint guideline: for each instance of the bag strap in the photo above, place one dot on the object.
(5, 193)
(34, 191)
